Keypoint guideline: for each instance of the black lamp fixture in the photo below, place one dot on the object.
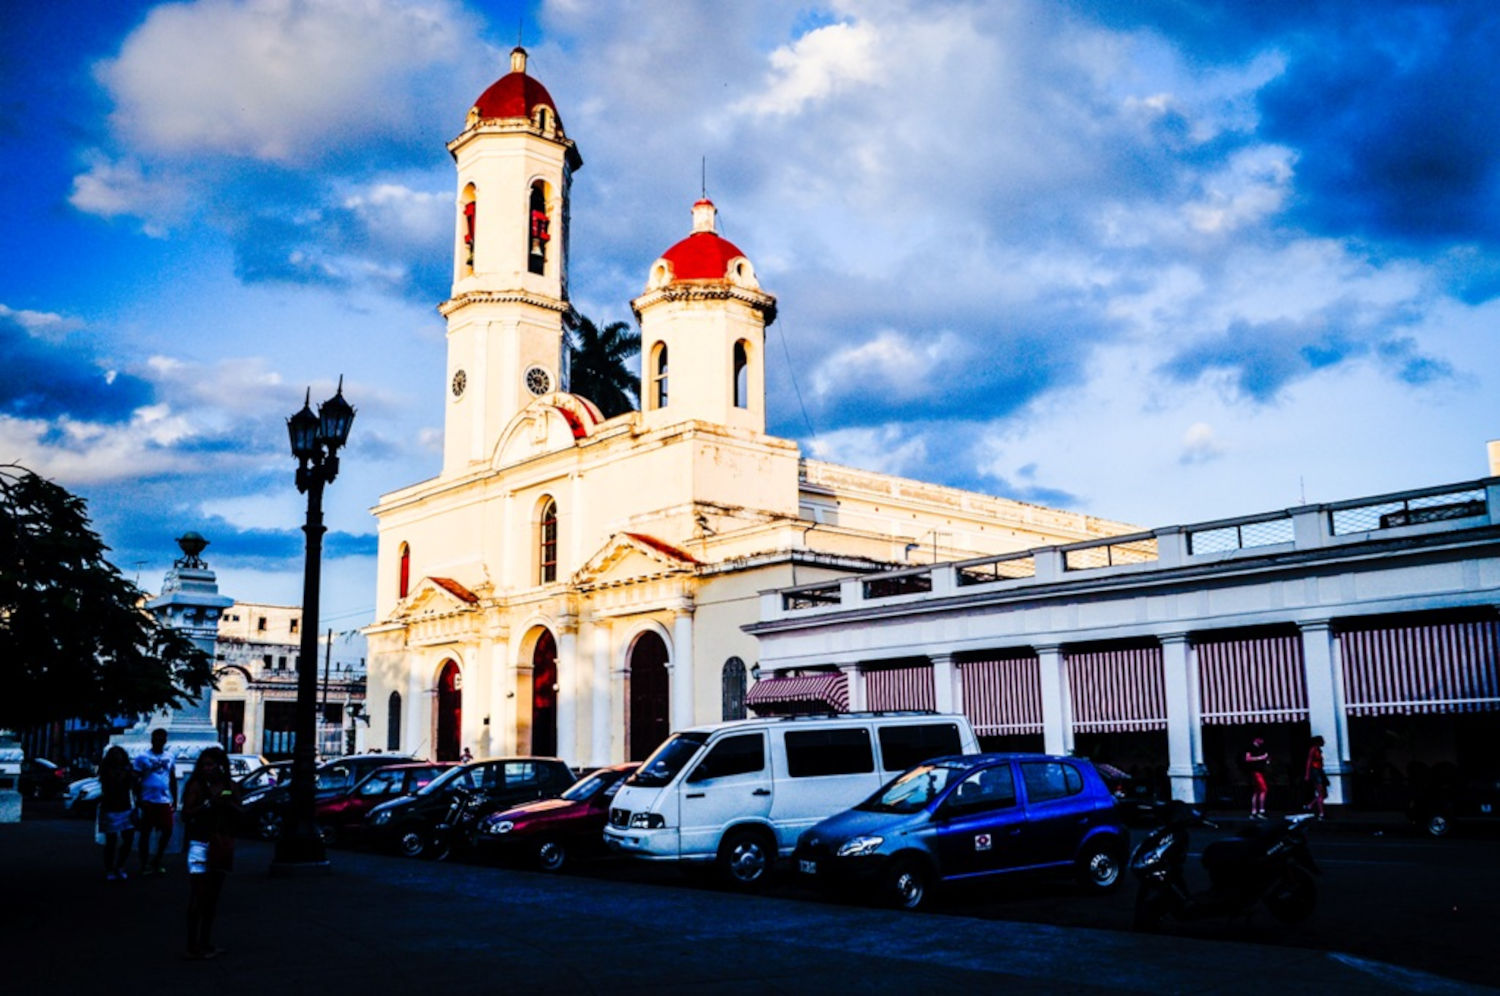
(315, 440)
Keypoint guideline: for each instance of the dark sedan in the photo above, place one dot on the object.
(553, 832)
(264, 812)
(340, 814)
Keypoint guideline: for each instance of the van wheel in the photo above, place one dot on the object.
(1100, 868)
(745, 858)
(908, 884)
(551, 855)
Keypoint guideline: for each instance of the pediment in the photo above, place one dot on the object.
(629, 557)
(437, 596)
(550, 423)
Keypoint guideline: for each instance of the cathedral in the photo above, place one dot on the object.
(577, 586)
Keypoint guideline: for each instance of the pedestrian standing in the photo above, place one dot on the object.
(210, 803)
(1258, 763)
(116, 810)
(466, 756)
(1317, 778)
(156, 787)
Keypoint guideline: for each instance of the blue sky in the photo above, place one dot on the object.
(1160, 262)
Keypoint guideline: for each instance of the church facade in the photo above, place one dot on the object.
(576, 586)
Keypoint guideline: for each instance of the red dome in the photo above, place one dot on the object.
(701, 256)
(514, 95)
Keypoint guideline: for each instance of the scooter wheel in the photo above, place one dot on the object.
(1294, 898)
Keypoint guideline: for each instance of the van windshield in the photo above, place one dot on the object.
(914, 790)
(668, 759)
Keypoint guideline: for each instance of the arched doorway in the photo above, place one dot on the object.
(544, 696)
(650, 689)
(450, 712)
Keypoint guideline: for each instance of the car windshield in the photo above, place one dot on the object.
(668, 759)
(588, 785)
(914, 790)
(449, 778)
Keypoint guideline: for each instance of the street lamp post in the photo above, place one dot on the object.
(316, 440)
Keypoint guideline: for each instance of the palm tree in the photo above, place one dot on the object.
(600, 371)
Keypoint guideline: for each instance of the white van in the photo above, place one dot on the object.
(740, 793)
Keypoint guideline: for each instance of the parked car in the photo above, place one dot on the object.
(415, 825)
(739, 794)
(1446, 803)
(263, 813)
(82, 795)
(265, 777)
(42, 779)
(967, 817)
(340, 814)
(552, 833)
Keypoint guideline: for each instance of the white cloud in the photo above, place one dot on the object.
(41, 324)
(816, 65)
(886, 449)
(1199, 445)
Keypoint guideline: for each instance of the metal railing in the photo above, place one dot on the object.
(1110, 553)
(908, 582)
(1008, 567)
(810, 596)
(1434, 505)
(1243, 534)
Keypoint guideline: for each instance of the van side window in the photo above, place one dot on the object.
(1050, 780)
(903, 747)
(810, 753)
(737, 755)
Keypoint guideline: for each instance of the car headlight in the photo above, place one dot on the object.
(381, 818)
(647, 821)
(499, 826)
(859, 847)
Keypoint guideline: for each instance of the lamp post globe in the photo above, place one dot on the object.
(315, 441)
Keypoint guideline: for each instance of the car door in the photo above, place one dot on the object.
(1058, 812)
(980, 825)
(730, 783)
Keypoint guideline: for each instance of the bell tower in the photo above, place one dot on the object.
(510, 263)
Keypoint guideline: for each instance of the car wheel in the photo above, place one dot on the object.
(1438, 825)
(328, 835)
(551, 855)
(908, 884)
(268, 825)
(1100, 868)
(1294, 898)
(745, 858)
(411, 842)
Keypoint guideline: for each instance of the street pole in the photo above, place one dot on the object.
(323, 709)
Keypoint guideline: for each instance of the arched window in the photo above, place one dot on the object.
(659, 376)
(741, 375)
(393, 722)
(471, 209)
(734, 688)
(540, 235)
(403, 584)
(547, 543)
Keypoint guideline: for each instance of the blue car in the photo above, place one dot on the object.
(970, 816)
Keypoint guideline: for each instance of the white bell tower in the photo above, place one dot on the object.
(510, 263)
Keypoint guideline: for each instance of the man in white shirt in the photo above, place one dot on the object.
(156, 777)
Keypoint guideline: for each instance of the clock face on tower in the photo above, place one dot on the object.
(460, 381)
(538, 381)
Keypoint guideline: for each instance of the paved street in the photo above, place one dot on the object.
(382, 924)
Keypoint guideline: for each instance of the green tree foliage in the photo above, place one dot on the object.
(75, 641)
(600, 368)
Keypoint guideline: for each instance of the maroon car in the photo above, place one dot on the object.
(344, 812)
(551, 832)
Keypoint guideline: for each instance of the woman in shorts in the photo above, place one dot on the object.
(116, 810)
(209, 804)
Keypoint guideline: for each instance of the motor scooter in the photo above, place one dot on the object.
(1268, 865)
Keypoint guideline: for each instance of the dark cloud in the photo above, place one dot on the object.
(49, 379)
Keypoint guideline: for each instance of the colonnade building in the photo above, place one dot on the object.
(577, 586)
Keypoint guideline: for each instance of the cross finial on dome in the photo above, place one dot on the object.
(518, 60)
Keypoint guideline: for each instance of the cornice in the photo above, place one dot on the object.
(707, 291)
(451, 305)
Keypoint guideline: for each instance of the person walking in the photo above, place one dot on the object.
(1258, 763)
(466, 756)
(156, 787)
(1317, 778)
(210, 803)
(116, 810)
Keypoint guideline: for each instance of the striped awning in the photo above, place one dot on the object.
(830, 688)
(900, 688)
(1429, 668)
(1003, 696)
(1117, 690)
(1252, 679)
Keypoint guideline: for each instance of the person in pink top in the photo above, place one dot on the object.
(1317, 778)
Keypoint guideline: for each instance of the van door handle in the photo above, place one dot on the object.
(694, 795)
(761, 792)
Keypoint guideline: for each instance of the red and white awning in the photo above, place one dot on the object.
(1117, 690)
(1252, 680)
(900, 688)
(1003, 696)
(830, 688)
(1429, 668)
